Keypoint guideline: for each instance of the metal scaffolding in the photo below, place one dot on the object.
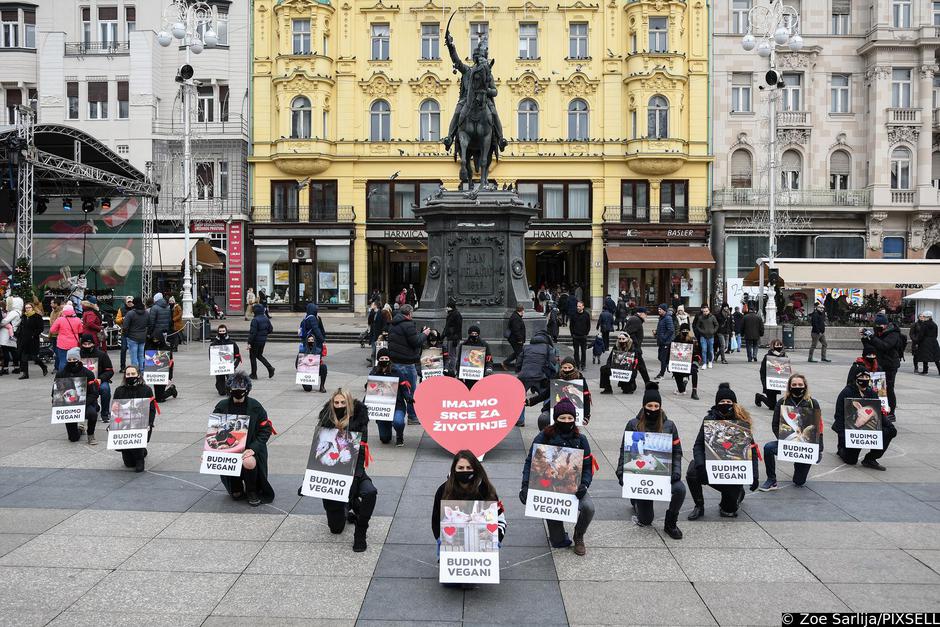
(146, 273)
(25, 119)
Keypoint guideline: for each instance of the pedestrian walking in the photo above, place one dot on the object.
(258, 333)
(9, 325)
(580, 327)
(134, 387)
(623, 311)
(737, 325)
(404, 347)
(405, 398)
(536, 366)
(634, 328)
(888, 343)
(453, 334)
(250, 301)
(795, 399)
(64, 333)
(159, 322)
(177, 314)
(723, 339)
(665, 332)
(92, 321)
(817, 321)
(605, 324)
(27, 340)
(752, 329)
(134, 328)
(552, 324)
(706, 328)
(515, 335)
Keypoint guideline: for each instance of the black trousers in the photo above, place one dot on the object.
(769, 397)
(516, 351)
(132, 455)
(606, 336)
(890, 375)
(580, 350)
(850, 455)
(663, 354)
(729, 493)
(926, 366)
(644, 508)
(256, 354)
(362, 497)
(626, 386)
(682, 380)
(309, 388)
(71, 428)
(26, 357)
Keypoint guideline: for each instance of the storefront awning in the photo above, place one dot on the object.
(659, 257)
(168, 254)
(871, 274)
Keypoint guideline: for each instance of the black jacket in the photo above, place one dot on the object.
(927, 348)
(159, 319)
(579, 324)
(260, 431)
(516, 328)
(404, 341)
(849, 391)
(453, 326)
(480, 496)
(358, 423)
(668, 427)
(634, 329)
(105, 368)
(789, 402)
(135, 323)
(217, 341)
(536, 362)
(30, 330)
(91, 385)
(141, 390)
(752, 327)
(552, 325)
(260, 327)
(817, 321)
(405, 393)
(887, 347)
(737, 321)
(698, 449)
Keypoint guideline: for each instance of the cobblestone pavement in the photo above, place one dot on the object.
(85, 541)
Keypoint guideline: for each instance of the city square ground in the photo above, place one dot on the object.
(84, 541)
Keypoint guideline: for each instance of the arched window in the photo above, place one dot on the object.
(791, 164)
(577, 120)
(657, 124)
(380, 121)
(742, 170)
(430, 121)
(840, 166)
(528, 120)
(900, 168)
(300, 118)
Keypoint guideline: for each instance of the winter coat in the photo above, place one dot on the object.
(738, 322)
(536, 363)
(665, 331)
(927, 348)
(312, 325)
(516, 328)
(725, 321)
(698, 449)
(11, 319)
(358, 423)
(67, 330)
(887, 345)
(159, 319)
(552, 325)
(668, 427)
(606, 321)
(217, 341)
(135, 325)
(78, 371)
(763, 365)
(622, 310)
(404, 341)
(480, 496)
(141, 390)
(453, 326)
(849, 391)
(817, 321)
(597, 346)
(405, 393)
(177, 318)
(610, 305)
(260, 326)
(573, 439)
(572, 305)
(378, 327)
(634, 328)
(563, 302)
(706, 326)
(579, 324)
(27, 339)
(791, 402)
(105, 368)
(752, 327)
(260, 431)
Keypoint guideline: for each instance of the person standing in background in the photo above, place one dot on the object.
(665, 332)
(580, 328)
(258, 333)
(249, 303)
(818, 331)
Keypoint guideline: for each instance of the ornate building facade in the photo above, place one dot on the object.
(605, 105)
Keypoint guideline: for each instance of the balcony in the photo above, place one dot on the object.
(667, 215)
(297, 215)
(794, 119)
(902, 117)
(106, 48)
(234, 126)
(902, 197)
(747, 197)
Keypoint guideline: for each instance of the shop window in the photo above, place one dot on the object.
(840, 247)
(332, 272)
(323, 201)
(272, 272)
(386, 200)
(893, 248)
(558, 199)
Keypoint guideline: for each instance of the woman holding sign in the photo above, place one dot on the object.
(75, 369)
(779, 362)
(652, 419)
(384, 368)
(625, 364)
(854, 396)
(467, 481)
(253, 480)
(346, 414)
(222, 338)
(800, 431)
(134, 387)
(686, 337)
(730, 443)
(567, 372)
(313, 347)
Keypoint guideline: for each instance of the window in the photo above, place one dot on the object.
(742, 169)
(478, 31)
(29, 29)
(223, 179)
(839, 94)
(300, 118)
(840, 165)
(98, 101)
(323, 201)
(528, 41)
(657, 122)
(205, 180)
(221, 24)
(108, 26)
(71, 94)
(380, 121)
(901, 88)
(634, 200)
(674, 201)
(578, 120)
(386, 200)
(741, 92)
(431, 41)
(840, 16)
(123, 100)
(633, 125)
(633, 43)
(901, 168)
(11, 28)
(326, 124)
(284, 201)
(301, 36)
(936, 92)
(130, 20)
(223, 103)
(205, 104)
(901, 13)
(578, 40)
(32, 99)
(659, 31)
(739, 11)
(430, 122)
(893, 248)
(86, 25)
(14, 100)
(326, 45)
(528, 120)
(560, 200)
(788, 17)
(790, 167)
(840, 247)
(936, 13)
(380, 42)
(123, 150)
(792, 91)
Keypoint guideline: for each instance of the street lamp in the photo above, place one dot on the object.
(767, 28)
(192, 24)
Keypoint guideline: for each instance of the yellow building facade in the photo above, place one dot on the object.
(605, 106)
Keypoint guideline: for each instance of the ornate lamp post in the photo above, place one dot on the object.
(767, 28)
(192, 24)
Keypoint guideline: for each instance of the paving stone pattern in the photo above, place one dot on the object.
(84, 541)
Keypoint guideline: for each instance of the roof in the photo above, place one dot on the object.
(873, 274)
(931, 293)
(659, 257)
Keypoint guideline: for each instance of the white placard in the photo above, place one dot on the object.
(647, 466)
(551, 506)
(618, 375)
(647, 487)
(797, 452)
(127, 438)
(326, 485)
(864, 438)
(879, 383)
(222, 359)
(381, 397)
(469, 567)
(156, 378)
(778, 371)
(215, 463)
(62, 415)
(469, 542)
(680, 358)
(729, 472)
(308, 370)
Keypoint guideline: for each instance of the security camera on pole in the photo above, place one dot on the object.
(767, 28)
(193, 24)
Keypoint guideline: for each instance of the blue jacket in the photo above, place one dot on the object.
(665, 331)
(574, 439)
(260, 327)
(610, 305)
(606, 321)
(311, 325)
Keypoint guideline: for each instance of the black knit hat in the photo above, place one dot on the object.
(725, 393)
(473, 329)
(383, 352)
(652, 395)
(564, 406)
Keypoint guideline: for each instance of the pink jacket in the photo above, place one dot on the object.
(67, 329)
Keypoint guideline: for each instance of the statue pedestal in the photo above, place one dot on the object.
(476, 255)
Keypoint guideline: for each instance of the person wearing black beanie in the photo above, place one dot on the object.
(568, 371)
(686, 337)
(385, 368)
(473, 340)
(652, 419)
(728, 410)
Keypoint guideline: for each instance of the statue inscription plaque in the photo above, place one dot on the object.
(476, 272)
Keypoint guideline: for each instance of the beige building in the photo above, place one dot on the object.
(858, 161)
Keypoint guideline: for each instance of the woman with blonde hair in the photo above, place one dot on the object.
(803, 417)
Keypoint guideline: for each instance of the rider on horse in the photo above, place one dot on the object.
(481, 64)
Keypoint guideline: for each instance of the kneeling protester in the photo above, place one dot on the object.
(130, 423)
(469, 542)
(308, 370)
(331, 467)
(225, 442)
(728, 450)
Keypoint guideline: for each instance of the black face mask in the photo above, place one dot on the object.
(73, 366)
(862, 383)
(239, 395)
(725, 410)
(131, 381)
(651, 414)
(473, 338)
(340, 412)
(385, 365)
(88, 349)
(222, 336)
(464, 476)
(797, 392)
(564, 427)
(570, 374)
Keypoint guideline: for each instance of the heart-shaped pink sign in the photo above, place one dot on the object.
(477, 419)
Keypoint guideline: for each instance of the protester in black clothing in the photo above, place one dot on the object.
(27, 340)
(885, 338)
(467, 481)
(725, 327)
(311, 347)
(927, 351)
(752, 329)
(258, 333)
(726, 408)
(404, 347)
(104, 373)
(221, 339)
(634, 328)
(74, 369)
(551, 323)
(567, 372)
(453, 333)
(605, 324)
(861, 388)
(134, 387)
(868, 362)
(769, 397)
(737, 326)
(685, 336)
(515, 335)
(624, 344)
(473, 339)
(796, 397)
(563, 308)
(665, 333)
(405, 398)
(652, 419)
(580, 328)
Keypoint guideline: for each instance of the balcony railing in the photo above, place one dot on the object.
(667, 215)
(902, 197)
(234, 125)
(748, 197)
(293, 215)
(903, 116)
(791, 119)
(82, 48)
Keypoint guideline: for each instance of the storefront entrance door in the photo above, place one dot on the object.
(305, 285)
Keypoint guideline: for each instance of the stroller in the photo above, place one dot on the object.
(217, 311)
